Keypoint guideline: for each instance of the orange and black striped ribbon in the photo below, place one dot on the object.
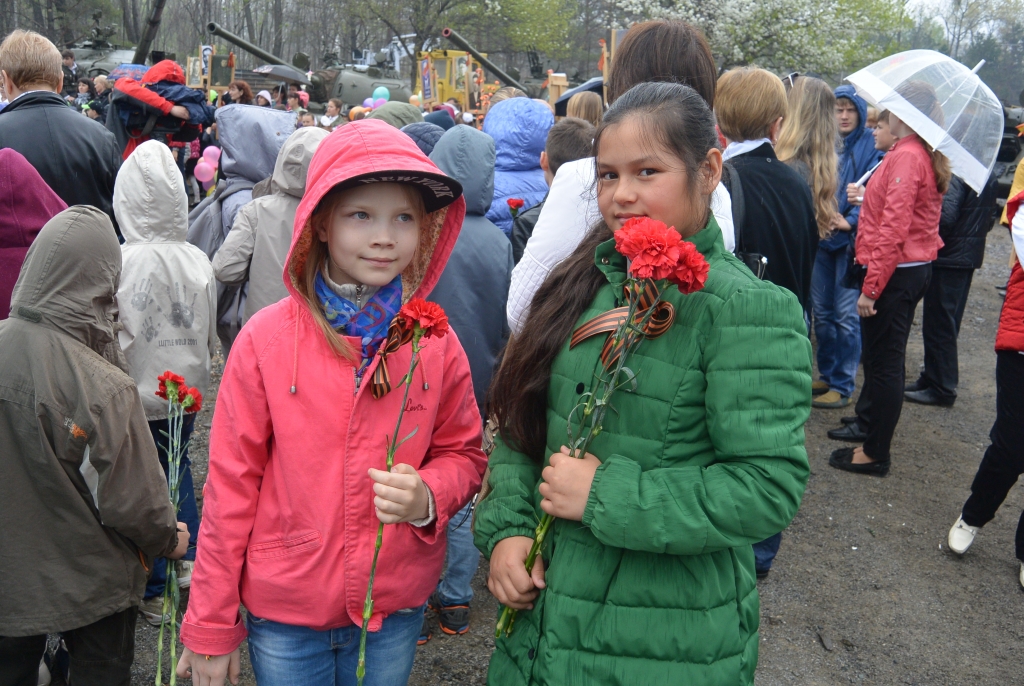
(660, 321)
(398, 336)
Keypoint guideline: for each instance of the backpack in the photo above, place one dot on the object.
(755, 262)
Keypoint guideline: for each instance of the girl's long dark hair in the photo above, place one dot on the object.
(678, 119)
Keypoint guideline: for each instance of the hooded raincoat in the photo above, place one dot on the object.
(288, 518)
(26, 204)
(167, 299)
(250, 138)
(857, 155)
(519, 127)
(84, 499)
(258, 243)
(474, 286)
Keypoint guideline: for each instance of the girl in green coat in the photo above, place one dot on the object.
(647, 574)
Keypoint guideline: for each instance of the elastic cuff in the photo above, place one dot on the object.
(588, 511)
(431, 510)
(508, 533)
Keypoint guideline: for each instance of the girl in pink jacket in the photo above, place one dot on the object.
(296, 483)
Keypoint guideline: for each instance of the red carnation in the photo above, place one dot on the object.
(514, 205)
(170, 377)
(692, 270)
(651, 247)
(192, 400)
(428, 317)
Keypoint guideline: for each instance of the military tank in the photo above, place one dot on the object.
(96, 55)
(350, 83)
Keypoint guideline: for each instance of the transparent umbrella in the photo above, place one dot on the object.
(944, 102)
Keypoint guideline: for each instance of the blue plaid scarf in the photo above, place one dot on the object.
(370, 323)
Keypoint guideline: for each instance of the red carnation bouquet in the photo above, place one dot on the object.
(418, 319)
(514, 205)
(181, 400)
(658, 257)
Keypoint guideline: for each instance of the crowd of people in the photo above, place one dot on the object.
(814, 214)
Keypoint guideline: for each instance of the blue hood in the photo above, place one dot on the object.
(857, 155)
(519, 127)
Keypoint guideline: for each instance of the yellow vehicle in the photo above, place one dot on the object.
(445, 74)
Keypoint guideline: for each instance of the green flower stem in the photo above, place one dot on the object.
(630, 335)
(171, 597)
(392, 449)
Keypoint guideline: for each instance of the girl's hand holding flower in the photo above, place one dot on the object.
(566, 485)
(508, 580)
(400, 495)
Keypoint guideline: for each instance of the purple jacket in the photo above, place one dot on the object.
(26, 203)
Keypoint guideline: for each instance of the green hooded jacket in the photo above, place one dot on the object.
(706, 457)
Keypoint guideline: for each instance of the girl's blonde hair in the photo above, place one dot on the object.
(810, 134)
(748, 101)
(587, 106)
(311, 254)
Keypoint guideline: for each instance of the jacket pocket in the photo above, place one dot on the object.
(266, 551)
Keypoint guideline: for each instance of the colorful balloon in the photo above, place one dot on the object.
(414, 100)
(368, 103)
(204, 171)
(212, 155)
(381, 93)
(379, 102)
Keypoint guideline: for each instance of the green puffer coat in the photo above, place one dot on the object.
(656, 586)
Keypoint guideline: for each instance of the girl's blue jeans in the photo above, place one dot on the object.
(284, 655)
(188, 511)
(836, 322)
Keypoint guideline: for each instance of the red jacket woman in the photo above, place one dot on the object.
(897, 240)
(899, 221)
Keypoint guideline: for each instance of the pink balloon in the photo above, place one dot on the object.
(379, 102)
(212, 155)
(204, 171)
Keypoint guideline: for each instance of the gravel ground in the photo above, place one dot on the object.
(864, 590)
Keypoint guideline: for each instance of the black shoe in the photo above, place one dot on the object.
(843, 459)
(918, 385)
(848, 420)
(850, 432)
(425, 633)
(929, 396)
(453, 619)
(761, 574)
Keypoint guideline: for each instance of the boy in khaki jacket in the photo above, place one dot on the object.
(85, 504)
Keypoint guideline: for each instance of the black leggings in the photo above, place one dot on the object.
(1004, 460)
(884, 357)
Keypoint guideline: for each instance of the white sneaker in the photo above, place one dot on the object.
(961, 536)
(184, 570)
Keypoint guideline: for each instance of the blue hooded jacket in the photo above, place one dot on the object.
(519, 127)
(856, 157)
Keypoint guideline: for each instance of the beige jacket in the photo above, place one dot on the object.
(168, 296)
(81, 488)
(256, 246)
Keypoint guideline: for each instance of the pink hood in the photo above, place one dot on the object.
(365, 147)
(288, 521)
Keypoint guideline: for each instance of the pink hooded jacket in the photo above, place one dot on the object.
(289, 525)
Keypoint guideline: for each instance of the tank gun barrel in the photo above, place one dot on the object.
(216, 30)
(462, 44)
(152, 25)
